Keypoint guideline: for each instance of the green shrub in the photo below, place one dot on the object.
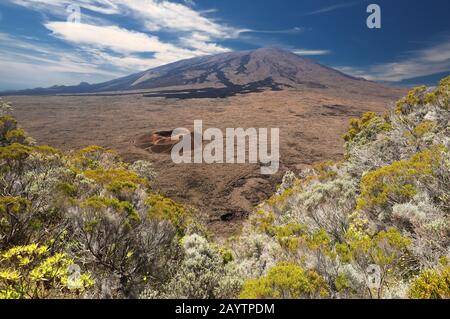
(286, 281)
(367, 128)
(397, 183)
(164, 208)
(34, 272)
(431, 284)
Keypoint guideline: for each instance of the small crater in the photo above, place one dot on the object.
(158, 142)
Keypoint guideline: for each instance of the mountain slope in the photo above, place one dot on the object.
(223, 75)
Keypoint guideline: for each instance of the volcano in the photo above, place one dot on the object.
(224, 75)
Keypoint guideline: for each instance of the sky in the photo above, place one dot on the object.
(46, 42)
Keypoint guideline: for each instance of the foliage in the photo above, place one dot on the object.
(34, 272)
(385, 249)
(5, 107)
(420, 96)
(203, 274)
(367, 128)
(397, 183)
(165, 209)
(432, 284)
(286, 281)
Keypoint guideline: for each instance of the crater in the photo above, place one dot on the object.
(159, 142)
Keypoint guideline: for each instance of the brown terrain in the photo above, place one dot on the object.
(312, 114)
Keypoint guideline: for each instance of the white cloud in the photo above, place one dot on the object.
(47, 73)
(108, 37)
(128, 63)
(311, 52)
(294, 30)
(432, 60)
(119, 46)
(154, 14)
(202, 43)
(166, 15)
(100, 6)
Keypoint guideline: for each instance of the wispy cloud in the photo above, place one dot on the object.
(29, 52)
(190, 3)
(311, 52)
(171, 16)
(294, 30)
(335, 7)
(428, 61)
(38, 64)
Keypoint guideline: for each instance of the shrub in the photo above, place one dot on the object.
(420, 96)
(441, 95)
(366, 129)
(92, 205)
(286, 281)
(202, 274)
(5, 107)
(414, 98)
(166, 209)
(385, 249)
(398, 182)
(121, 241)
(30, 174)
(34, 272)
(15, 220)
(327, 205)
(432, 284)
(144, 170)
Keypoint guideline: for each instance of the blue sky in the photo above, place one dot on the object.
(40, 45)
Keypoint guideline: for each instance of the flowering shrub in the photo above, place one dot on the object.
(286, 281)
(34, 272)
(432, 283)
